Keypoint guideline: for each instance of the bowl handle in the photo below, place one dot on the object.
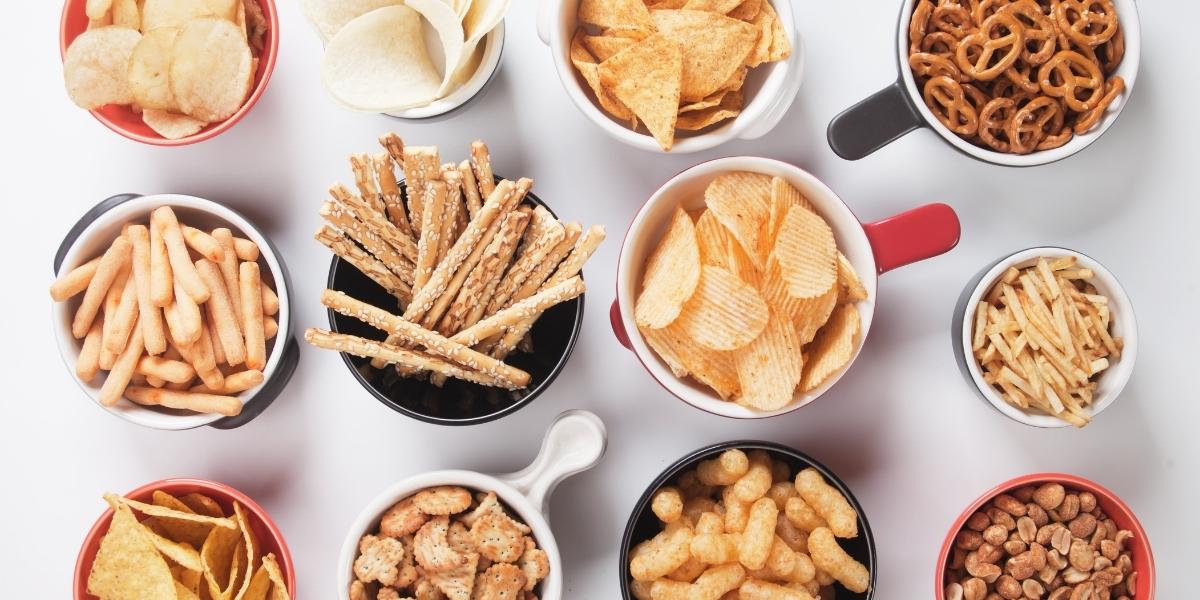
(266, 395)
(543, 20)
(874, 122)
(618, 325)
(574, 443)
(921, 233)
(104, 206)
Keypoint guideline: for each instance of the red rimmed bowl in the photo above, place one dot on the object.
(873, 248)
(127, 123)
(268, 533)
(1113, 507)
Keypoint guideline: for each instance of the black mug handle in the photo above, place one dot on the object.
(874, 123)
(269, 392)
(104, 206)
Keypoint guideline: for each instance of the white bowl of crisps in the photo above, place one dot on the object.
(1047, 336)
(758, 519)
(464, 535)
(676, 76)
(185, 539)
(746, 287)
(411, 59)
(1017, 84)
(173, 312)
(168, 72)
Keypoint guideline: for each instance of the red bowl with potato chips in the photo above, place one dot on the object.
(129, 124)
(270, 538)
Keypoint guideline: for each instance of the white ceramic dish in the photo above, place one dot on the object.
(1124, 324)
(769, 89)
(575, 442)
(96, 231)
(873, 248)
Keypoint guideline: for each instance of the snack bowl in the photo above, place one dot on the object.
(872, 248)
(456, 402)
(474, 87)
(127, 123)
(769, 89)
(643, 524)
(574, 442)
(1112, 505)
(96, 229)
(268, 533)
(1110, 383)
(899, 108)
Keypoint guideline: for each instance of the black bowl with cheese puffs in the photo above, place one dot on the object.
(751, 520)
(456, 304)
(173, 312)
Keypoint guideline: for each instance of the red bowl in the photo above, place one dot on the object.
(1118, 511)
(266, 530)
(124, 121)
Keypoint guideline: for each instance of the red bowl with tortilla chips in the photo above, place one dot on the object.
(125, 121)
(270, 539)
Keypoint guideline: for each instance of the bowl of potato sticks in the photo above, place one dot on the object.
(1047, 336)
(755, 519)
(454, 296)
(173, 312)
(462, 534)
(1046, 535)
(184, 539)
(168, 72)
(1018, 84)
(666, 77)
(746, 287)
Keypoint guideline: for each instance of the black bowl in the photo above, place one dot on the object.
(457, 402)
(643, 525)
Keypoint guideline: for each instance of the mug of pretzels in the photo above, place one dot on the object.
(1010, 82)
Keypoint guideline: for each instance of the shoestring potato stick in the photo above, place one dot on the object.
(233, 384)
(162, 280)
(123, 369)
(124, 315)
(246, 250)
(220, 304)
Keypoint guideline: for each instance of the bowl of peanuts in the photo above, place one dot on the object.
(754, 519)
(1046, 535)
(172, 312)
(1015, 83)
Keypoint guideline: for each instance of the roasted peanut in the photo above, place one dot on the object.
(1024, 494)
(977, 568)
(1087, 502)
(995, 535)
(1072, 576)
(1015, 547)
(1009, 505)
(1081, 556)
(1008, 587)
(1046, 532)
(1027, 529)
(1039, 555)
(1084, 591)
(1108, 577)
(1125, 564)
(1062, 593)
(1021, 565)
(1131, 583)
(989, 553)
(969, 540)
(1038, 514)
(978, 522)
(1123, 536)
(1082, 526)
(974, 589)
(1061, 540)
(1050, 495)
(954, 591)
(958, 558)
(1056, 561)
(1069, 509)
(1032, 589)
(1100, 563)
(1000, 517)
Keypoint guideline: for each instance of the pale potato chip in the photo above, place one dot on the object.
(625, 14)
(714, 47)
(739, 200)
(813, 313)
(125, 13)
(646, 78)
(180, 553)
(653, 4)
(713, 240)
(127, 565)
(807, 253)
(850, 287)
(604, 47)
(172, 126)
(445, 22)
(211, 69)
(730, 107)
(589, 69)
(482, 16)
(157, 14)
(97, 9)
(724, 313)
(279, 590)
(833, 347)
(686, 357)
(747, 10)
(329, 16)
(378, 62)
(149, 69)
(769, 367)
(95, 67)
(715, 6)
(671, 276)
(256, 25)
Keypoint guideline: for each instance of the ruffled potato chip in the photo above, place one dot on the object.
(645, 78)
(769, 367)
(833, 347)
(783, 197)
(671, 276)
(739, 200)
(685, 357)
(95, 67)
(713, 240)
(807, 254)
(724, 313)
(813, 313)
(850, 287)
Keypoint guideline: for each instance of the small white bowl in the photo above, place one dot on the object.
(96, 231)
(473, 87)
(1110, 383)
(769, 89)
(575, 442)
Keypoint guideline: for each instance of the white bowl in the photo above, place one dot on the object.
(489, 64)
(1109, 384)
(203, 214)
(873, 249)
(575, 442)
(769, 89)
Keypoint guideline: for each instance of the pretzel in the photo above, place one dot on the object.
(1000, 34)
(993, 120)
(1067, 74)
(1087, 22)
(1032, 122)
(946, 99)
(952, 18)
(924, 64)
(1113, 52)
(982, 9)
(1113, 88)
(918, 28)
(1041, 36)
(1024, 77)
(941, 44)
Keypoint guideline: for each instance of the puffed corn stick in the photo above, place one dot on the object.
(118, 378)
(228, 406)
(149, 315)
(250, 299)
(177, 253)
(270, 301)
(74, 281)
(221, 306)
(111, 263)
(204, 244)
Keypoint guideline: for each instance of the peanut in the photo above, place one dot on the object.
(1038, 514)
(1027, 529)
(1082, 526)
(1015, 547)
(1024, 494)
(1087, 502)
(1108, 577)
(1069, 509)
(978, 522)
(1000, 517)
(1008, 587)
(1010, 505)
(969, 540)
(995, 535)
(1049, 496)
(1084, 591)
(974, 589)
(1032, 589)
(954, 591)
(1081, 556)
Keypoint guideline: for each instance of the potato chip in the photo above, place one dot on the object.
(742, 266)
(627, 14)
(329, 16)
(172, 126)
(646, 78)
(783, 197)
(149, 69)
(603, 47)
(813, 313)
(713, 240)
(724, 313)
(715, 6)
(125, 13)
(181, 553)
(730, 107)
(157, 14)
(96, 64)
(482, 16)
(127, 565)
(211, 69)
(850, 287)
(202, 505)
(450, 32)
(747, 10)
(739, 200)
(279, 590)
(665, 4)
(807, 254)
(256, 25)
(769, 367)
(685, 357)
(97, 9)
(714, 47)
(833, 347)
(378, 62)
(671, 276)
(218, 555)
(589, 69)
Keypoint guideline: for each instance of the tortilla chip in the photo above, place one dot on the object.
(646, 78)
(183, 593)
(747, 10)
(181, 553)
(127, 564)
(250, 541)
(714, 47)
(260, 584)
(202, 505)
(279, 589)
(219, 554)
(631, 14)
(587, 66)
(603, 47)
(781, 46)
(765, 23)
(730, 106)
(177, 521)
(714, 6)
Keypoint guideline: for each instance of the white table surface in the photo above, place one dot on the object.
(902, 428)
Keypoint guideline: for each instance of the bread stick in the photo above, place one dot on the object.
(149, 315)
(111, 263)
(486, 277)
(365, 263)
(177, 253)
(393, 200)
(246, 249)
(470, 189)
(372, 232)
(118, 378)
(228, 264)
(88, 363)
(250, 299)
(228, 406)
(235, 383)
(396, 355)
(228, 330)
(421, 164)
(123, 317)
(74, 281)
(452, 211)
(174, 371)
(431, 227)
(366, 181)
(162, 280)
(542, 237)
(521, 311)
(205, 245)
(481, 162)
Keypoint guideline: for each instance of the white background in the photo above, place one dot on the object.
(902, 428)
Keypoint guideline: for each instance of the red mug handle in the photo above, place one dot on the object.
(618, 325)
(921, 233)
